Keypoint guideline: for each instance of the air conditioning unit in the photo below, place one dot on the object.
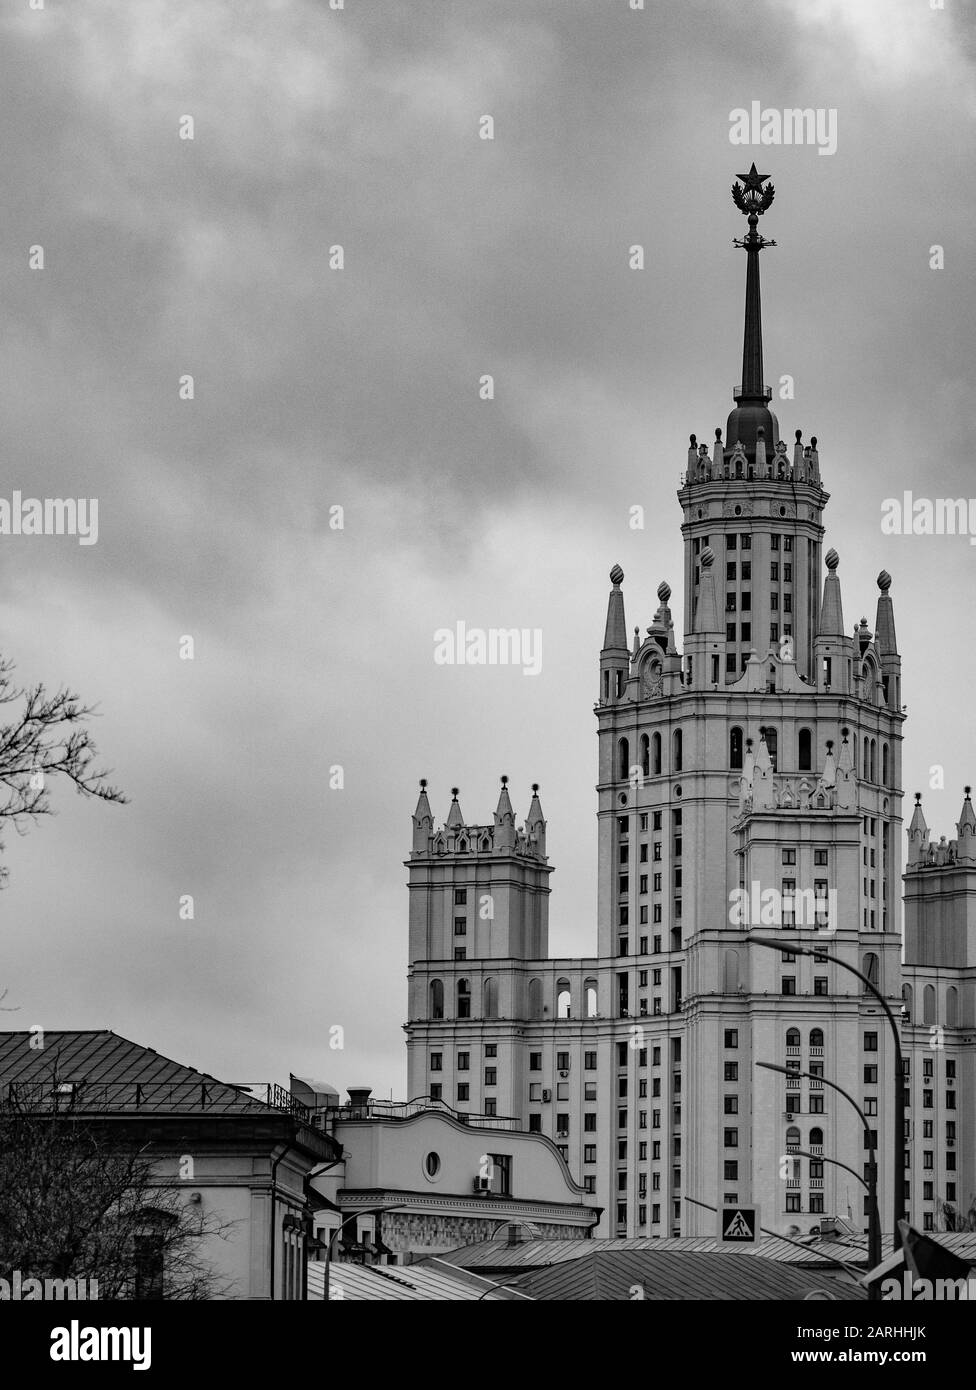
(564, 1074)
(562, 1133)
(789, 1115)
(950, 1143)
(482, 1184)
(547, 1096)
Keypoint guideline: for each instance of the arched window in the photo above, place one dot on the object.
(735, 747)
(731, 972)
(623, 760)
(793, 1137)
(792, 1037)
(816, 1136)
(874, 760)
(805, 751)
(907, 1000)
(952, 1007)
(656, 755)
(885, 766)
(589, 992)
(645, 755)
(870, 966)
(491, 997)
(928, 1004)
(463, 999)
(676, 751)
(867, 760)
(563, 999)
(816, 1037)
(436, 999)
(772, 746)
(535, 999)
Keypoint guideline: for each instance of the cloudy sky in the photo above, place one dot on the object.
(317, 388)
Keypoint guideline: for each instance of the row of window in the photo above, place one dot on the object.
(735, 571)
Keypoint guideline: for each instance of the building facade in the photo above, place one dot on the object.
(749, 783)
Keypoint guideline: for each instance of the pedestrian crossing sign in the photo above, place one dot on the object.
(739, 1225)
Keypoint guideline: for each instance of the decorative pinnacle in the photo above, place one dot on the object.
(884, 581)
(663, 592)
(831, 560)
(535, 788)
(918, 798)
(423, 784)
(454, 792)
(616, 575)
(967, 790)
(504, 780)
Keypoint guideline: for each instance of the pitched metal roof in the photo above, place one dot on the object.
(403, 1283)
(621, 1275)
(112, 1075)
(539, 1254)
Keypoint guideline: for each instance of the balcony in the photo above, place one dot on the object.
(815, 1085)
(817, 1183)
(816, 1148)
(793, 1051)
(816, 1052)
(792, 1182)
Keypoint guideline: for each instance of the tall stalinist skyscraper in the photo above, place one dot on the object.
(749, 785)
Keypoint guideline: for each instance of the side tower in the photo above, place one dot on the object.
(479, 908)
(939, 1029)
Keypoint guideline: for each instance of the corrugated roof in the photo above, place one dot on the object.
(404, 1283)
(615, 1276)
(539, 1254)
(118, 1075)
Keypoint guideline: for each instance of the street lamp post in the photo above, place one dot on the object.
(898, 1156)
(874, 1219)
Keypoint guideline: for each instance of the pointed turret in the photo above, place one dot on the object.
(846, 775)
(705, 644)
(423, 821)
(706, 616)
(504, 821)
(918, 834)
(615, 654)
(762, 777)
(454, 818)
(966, 830)
(833, 651)
(886, 644)
(535, 823)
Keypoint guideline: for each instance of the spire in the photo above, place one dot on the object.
(884, 624)
(918, 834)
(535, 822)
(706, 614)
(832, 611)
(966, 829)
(615, 638)
(454, 818)
(504, 820)
(753, 200)
(752, 396)
(423, 821)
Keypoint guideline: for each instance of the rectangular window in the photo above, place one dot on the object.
(460, 953)
(788, 984)
(820, 984)
(589, 1061)
(731, 1071)
(491, 1050)
(731, 1037)
(731, 1138)
(535, 1061)
(491, 1076)
(870, 1076)
(789, 856)
(460, 897)
(436, 1061)
(435, 1090)
(460, 926)
(731, 1105)
(562, 1061)
(820, 856)
(463, 1091)
(463, 1061)
(870, 1042)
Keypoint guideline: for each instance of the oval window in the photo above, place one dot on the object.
(432, 1164)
